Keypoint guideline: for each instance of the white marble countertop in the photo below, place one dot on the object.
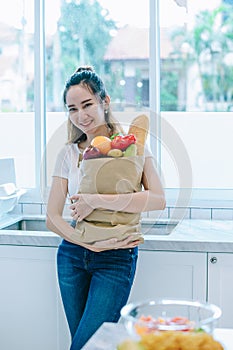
(195, 235)
(189, 235)
(109, 335)
(26, 238)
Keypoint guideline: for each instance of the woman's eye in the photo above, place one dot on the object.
(87, 105)
(72, 110)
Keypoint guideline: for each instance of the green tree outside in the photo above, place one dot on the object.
(83, 34)
(84, 29)
(210, 42)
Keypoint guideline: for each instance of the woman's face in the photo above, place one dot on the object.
(85, 110)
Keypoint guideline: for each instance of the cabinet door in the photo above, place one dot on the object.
(30, 306)
(220, 285)
(162, 274)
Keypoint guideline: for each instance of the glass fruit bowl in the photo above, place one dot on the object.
(169, 315)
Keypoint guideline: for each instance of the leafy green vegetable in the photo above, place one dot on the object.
(117, 134)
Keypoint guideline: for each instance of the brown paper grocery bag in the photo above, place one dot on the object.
(110, 176)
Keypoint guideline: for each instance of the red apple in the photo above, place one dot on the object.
(122, 142)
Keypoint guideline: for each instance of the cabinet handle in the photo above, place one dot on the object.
(213, 260)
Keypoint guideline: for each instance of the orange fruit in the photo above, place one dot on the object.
(103, 143)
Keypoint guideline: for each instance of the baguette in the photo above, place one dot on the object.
(139, 127)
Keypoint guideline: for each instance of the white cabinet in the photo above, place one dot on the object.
(31, 314)
(220, 285)
(200, 276)
(170, 275)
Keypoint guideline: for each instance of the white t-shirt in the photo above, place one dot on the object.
(66, 165)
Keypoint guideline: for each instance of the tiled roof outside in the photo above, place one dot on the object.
(133, 43)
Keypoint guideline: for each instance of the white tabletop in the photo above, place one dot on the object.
(109, 335)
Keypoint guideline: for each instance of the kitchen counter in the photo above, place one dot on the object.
(26, 238)
(110, 334)
(195, 235)
(189, 235)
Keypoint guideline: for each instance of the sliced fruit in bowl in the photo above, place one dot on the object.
(169, 315)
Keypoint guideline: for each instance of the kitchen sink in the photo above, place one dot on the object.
(158, 228)
(148, 227)
(28, 225)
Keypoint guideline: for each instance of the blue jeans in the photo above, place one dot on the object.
(94, 287)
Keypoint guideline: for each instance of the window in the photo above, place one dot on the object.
(174, 65)
(120, 46)
(17, 123)
(196, 92)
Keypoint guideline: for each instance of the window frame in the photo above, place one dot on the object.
(40, 90)
(199, 198)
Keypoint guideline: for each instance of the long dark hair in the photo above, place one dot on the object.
(86, 76)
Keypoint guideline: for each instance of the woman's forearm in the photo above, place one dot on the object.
(136, 202)
(58, 225)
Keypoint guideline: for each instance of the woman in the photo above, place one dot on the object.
(94, 281)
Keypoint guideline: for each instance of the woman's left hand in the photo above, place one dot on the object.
(81, 206)
(113, 243)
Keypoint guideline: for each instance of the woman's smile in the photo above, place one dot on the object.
(86, 123)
